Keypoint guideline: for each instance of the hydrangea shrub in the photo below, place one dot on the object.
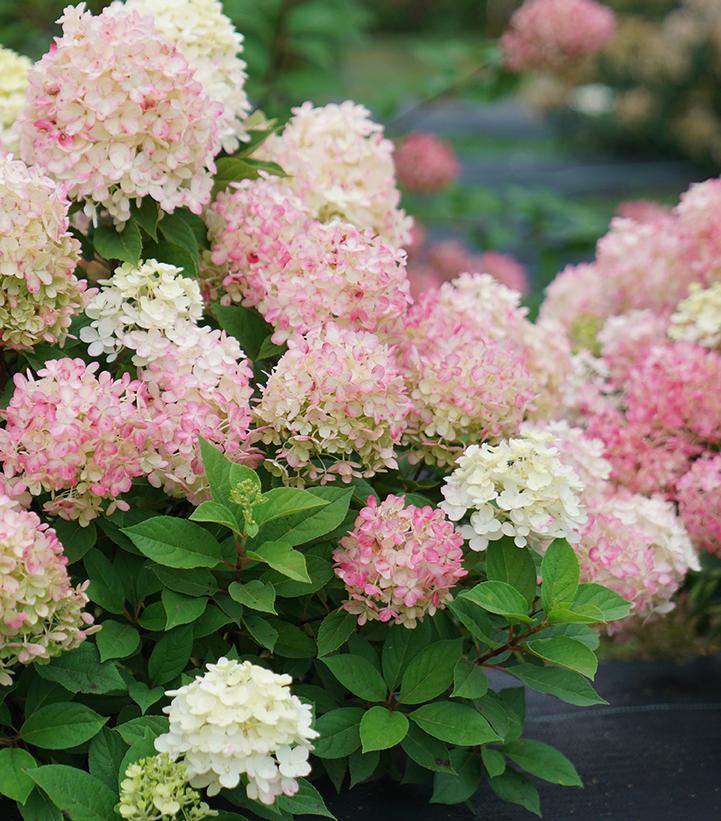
(266, 526)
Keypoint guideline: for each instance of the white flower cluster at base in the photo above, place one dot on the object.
(237, 720)
(518, 488)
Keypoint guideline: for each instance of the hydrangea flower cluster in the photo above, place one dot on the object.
(518, 488)
(13, 81)
(196, 384)
(239, 720)
(556, 35)
(699, 499)
(299, 272)
(115, 112)
(38, 290)
(156, 787)
(450, 259)
(637, 547)
(399, 563)
(425, 163)
(625, 339)
(151, 297)
(697, 318)
(340, 165)
(41, 613)
(77, 434)
(207, 39)
(336, 394)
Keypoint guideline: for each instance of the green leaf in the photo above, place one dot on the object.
(493, 761)
(400, 646)
(142, 748)
(181, 609)
(611, 605)
(134, 731)
(254, 594)
(581, 632)
(81, 671)
(171, 654)
(582, 614)
(39, 807)
(430, 673)
(513, 787)
(514, 565)
(105, 753)
(501, 598)
(381, 729)
(82, 796)
(15, 783)
(455, 723)
(358, 676)
(146, 215)
(454, 788)
(261, 630)
(563, 684)
(244, 324)
(233, 169)
(426, 751)
(61, 725)
(218, 514)
(197, 582)
(171, 254)
(335, 629)
(566, 652)
(560, 574)
(76, 540)
(474, 619)
(469, 680)
(116, 640)
(281, 557)
(543, 761)
(269, 350)
(285, 501)
(175, 542)
(362, 766)
(103, 589)
(143, 696)
(339, 732)
(307, 801)
(125, 245)
(306, 526)
(176, 229)
(153, 617)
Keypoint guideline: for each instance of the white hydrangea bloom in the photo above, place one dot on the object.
(518, 488)
(139, 306)
(698, 317)
(211, 45)
(240, 719)
(13, 81)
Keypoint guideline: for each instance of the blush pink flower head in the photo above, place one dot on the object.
(425, 163)
(301, 273)
(399, 563)
(115, 113)
(556, 35)
(699, 499)
(38, 290)
(41, 614)
(76, 434)
(335, 405)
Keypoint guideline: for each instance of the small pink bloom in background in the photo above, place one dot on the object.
(399, 564)
(699, 498)
(556, 35)
(417, 239)
(451, 258)
(503, 267)
(425, 163)
(642, 210)
(423, 278)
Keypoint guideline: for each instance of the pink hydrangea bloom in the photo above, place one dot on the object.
(42, 614)
(335, 405)
(450, 258)
(466, 381)
(301, 273)
(114, 111)
(627, 338)
(556, 35)
(579, 300)
(38, 290)
(425, 163)
(503, 267)
(638, 548)
(341, 165)
(642, 210)
(699, 499)
(76, 434)
(197, 383)
(399, 563)
(700, 230)
(422, 278)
